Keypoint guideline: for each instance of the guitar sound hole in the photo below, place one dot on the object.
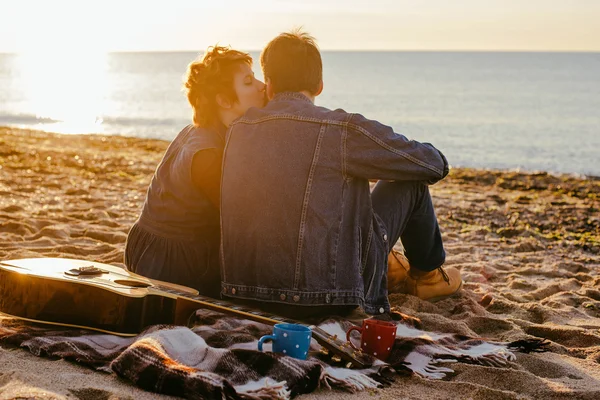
(132, 283)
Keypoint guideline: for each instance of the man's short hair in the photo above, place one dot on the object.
(292, 63)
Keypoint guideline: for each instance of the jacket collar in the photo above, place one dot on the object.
(290, 95)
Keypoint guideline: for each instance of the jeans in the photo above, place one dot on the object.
(401, 210)
(406, 211)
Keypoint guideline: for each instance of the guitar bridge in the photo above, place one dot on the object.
(85, 271)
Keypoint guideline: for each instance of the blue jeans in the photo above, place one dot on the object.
(401, 210)
(406, 211)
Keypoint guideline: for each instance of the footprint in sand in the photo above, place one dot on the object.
(528, 246)
(569, 337)
(12, 209)
(87, 252)
(77, 192)
(544, 368)
(35, 244)
(52, 231)
(108, 223)
(502, 383)
(456, 250)
(89, 393)
(531, 260)
(592, 294)
(521, 284)
(42, 223)
(518, 298)
(488, 326)
(569, 300)
(26, 189)
(582, 277)
(114, 237)
(91, 215)
(538, 271)
(533, 313)
(572, 267)
(16, 228)
(569, 285)
(53, 185)
(501, 266)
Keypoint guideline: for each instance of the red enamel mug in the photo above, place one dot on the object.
(376, 337)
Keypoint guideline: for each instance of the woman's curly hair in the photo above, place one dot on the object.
(212, 75)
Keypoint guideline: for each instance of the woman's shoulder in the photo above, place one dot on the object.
(200, 138)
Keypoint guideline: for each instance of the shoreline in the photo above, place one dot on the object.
(519, 170)
(527, 244)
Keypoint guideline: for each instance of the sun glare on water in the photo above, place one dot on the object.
(65, 89)
(62, 65)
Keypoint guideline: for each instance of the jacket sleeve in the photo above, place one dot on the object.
(372, 150)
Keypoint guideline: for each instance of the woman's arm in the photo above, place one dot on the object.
(206, 174)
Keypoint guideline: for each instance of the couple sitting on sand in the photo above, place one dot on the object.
(269, 203)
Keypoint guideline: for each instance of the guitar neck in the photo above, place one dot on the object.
(230, 308)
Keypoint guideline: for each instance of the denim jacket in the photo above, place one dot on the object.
(296, 217)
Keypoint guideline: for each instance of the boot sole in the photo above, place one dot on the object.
(439, 298)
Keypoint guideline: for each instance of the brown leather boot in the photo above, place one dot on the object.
(433, 286)
(398, 267)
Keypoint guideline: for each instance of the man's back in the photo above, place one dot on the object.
(297, 221)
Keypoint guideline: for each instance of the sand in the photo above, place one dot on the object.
(528, 246)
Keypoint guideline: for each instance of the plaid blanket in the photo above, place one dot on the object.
(217, 357)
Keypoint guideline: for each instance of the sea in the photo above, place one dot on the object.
(527, 111)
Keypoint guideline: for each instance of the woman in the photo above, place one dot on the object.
(176, 237)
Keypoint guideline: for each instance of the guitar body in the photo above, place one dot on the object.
(116, 301)
(105, 298)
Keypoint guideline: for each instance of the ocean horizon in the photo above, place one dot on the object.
(531, 111)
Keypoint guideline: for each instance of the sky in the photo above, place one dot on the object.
(192, 25)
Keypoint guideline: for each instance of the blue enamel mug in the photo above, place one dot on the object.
(290, 339)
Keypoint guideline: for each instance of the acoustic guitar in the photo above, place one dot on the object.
(106, 298)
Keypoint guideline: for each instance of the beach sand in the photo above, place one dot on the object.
(528, 246)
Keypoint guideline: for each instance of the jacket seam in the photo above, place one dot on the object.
(290, 117)
(368, 248)
(338, 233)
(344, 146)
(423, 164)
(305, 205)
(221, 250)
(358, 128)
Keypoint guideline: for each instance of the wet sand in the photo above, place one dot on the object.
(528, 246)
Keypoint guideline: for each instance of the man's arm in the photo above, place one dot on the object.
(372, 150)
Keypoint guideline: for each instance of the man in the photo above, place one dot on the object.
(300, 226)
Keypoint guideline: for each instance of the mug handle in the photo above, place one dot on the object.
(354, 328)
(264, 339)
